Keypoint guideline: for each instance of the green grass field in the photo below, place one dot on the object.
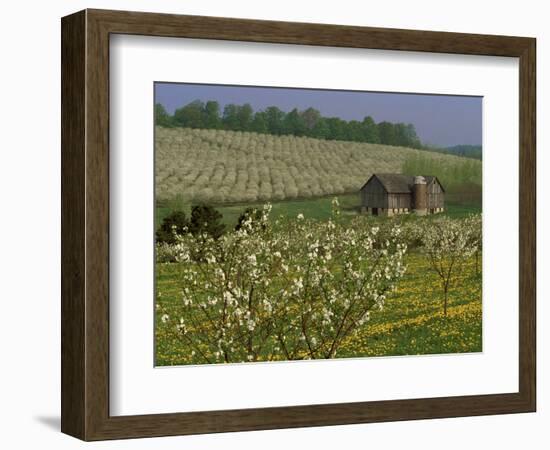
(411, 322)
(314, 208)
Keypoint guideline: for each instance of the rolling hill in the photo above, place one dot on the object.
(218, 166)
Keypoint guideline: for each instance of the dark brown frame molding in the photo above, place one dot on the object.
(85, 224)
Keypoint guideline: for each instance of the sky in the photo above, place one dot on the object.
(440, 120)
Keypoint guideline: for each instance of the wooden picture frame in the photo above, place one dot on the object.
(85, 224)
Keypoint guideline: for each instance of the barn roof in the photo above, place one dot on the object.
(398, 183)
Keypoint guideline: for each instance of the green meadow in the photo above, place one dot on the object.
(314, 208)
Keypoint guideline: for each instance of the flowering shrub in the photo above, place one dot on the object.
(413, 231)
(285, 289)
(166, 253)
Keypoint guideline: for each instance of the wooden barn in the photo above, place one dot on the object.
(394, 193)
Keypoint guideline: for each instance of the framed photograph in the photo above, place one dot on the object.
(272, 225)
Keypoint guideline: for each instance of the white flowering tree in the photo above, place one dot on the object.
(473, 227)
(294, 289)
(447, 244)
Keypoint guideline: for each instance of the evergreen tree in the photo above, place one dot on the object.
(174, 224)
(205, 219)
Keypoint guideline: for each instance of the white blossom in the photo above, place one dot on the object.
(253, 287)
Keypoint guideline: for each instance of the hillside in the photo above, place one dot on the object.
(230, 166)
(468, 151)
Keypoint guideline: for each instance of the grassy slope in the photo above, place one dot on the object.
(411, 322)
(216, 166)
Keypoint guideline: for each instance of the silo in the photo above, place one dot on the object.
(420, 196)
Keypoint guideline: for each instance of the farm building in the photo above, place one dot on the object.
(394, 193)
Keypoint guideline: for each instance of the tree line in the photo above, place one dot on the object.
(272, 120)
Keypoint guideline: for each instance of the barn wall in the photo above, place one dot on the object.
(399, 201)
(436, 196)
(373, 195)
